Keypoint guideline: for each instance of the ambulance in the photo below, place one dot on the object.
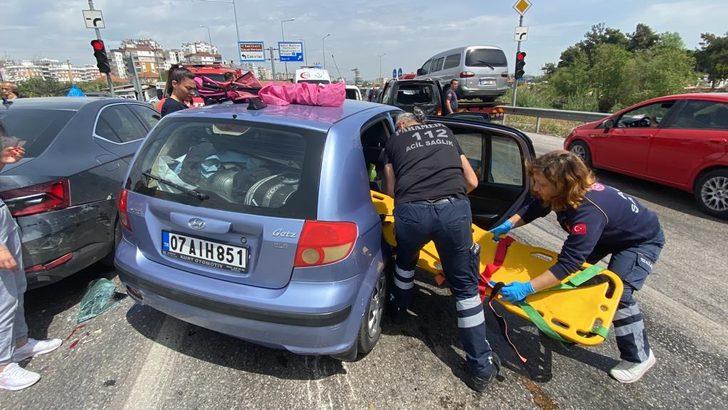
(314, 75)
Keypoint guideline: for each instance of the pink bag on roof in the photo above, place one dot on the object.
(330, 95)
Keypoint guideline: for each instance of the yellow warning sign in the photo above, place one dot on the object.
(522, 6)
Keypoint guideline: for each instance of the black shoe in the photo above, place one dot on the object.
(480, 382)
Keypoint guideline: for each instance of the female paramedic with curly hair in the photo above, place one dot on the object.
(600, 220)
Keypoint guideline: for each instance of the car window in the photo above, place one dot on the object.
(243, 167)
(426, 66)
(697, 114)
(506, 162)
(351, 94)
(647, 116)
(117, 123)
(149, 116)
(452, 61)
(437, 65)
(485, 57)
(34, 129)
(472, 146)
(410, 94)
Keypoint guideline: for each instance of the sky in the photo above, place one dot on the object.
(406, 32)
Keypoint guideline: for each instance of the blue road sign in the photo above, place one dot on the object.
(290, 51)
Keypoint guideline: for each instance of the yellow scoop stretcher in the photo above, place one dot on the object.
(577, 311)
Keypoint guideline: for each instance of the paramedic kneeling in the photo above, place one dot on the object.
(429, 178)
(600, 220)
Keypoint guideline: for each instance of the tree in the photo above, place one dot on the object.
(643, 38)
(41, 87)
(712, 57)
(548, 69)
(612, 75)
(601, 34)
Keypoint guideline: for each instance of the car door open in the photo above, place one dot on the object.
(497, 155)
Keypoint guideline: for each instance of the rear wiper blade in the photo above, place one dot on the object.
(486, 64)
(197, 194)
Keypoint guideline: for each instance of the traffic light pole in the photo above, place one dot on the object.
(98, 37)
(515, 80)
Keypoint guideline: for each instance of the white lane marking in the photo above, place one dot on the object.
(154, 376)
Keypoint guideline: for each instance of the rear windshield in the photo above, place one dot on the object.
(221, 78)
(416, 94)
(31, 128)
(486, 57)
(241, 167)
(315, 81)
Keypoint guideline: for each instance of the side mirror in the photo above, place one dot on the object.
(421, 71)
(608, 124)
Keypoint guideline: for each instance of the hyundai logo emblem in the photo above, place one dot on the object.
(196, 223)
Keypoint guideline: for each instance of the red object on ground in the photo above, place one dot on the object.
(330, 95)
(487, 274)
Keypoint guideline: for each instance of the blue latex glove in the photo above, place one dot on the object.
(501, 229)
(516, 291)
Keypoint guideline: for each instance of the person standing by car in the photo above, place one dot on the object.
(180, 89)
(15, 345)
(429, 178)
(600, 220)
(451, 97)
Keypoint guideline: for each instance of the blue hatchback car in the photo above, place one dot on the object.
(259, 223)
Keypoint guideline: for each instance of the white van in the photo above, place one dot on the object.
(312, 75)
(353, 93)
(481, 70)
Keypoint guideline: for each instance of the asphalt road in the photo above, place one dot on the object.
(135, 357)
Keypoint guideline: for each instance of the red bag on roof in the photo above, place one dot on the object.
(330, 95)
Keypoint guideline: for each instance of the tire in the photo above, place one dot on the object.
(371, 325)
(711, 193)
(582, 151)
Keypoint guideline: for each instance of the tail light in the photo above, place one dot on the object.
(322, 243)
(467, 74)
(36, 199)
(50, 265)
(123, 212)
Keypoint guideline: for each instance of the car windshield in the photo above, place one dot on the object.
(233, 166)
(409, 94)
(33, 129)
(486, 57)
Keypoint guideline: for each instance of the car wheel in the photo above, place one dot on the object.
(711, 192)
(582, 151)
(371, 326)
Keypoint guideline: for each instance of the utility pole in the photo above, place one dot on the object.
(337, 67)
(98, 37)
(272, 62)
(518, 50)
(380, 67)
(323, 47)
(283, 38)
(70, 75)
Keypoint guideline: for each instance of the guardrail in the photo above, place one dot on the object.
(579, 116)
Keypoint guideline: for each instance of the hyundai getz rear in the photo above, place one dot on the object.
(247, 223)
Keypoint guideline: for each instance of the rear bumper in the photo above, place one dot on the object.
(84, 231)
(304, 317)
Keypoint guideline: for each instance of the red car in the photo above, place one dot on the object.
(677, 140)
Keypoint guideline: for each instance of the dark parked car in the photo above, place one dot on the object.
(408, 94)
(63, 193)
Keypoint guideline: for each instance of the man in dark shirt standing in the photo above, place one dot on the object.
(451, 97)
(429, 178)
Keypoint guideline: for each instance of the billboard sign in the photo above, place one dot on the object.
(251, 51)
(290, 51)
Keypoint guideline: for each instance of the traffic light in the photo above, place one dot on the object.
(520, 62)
(102, 60)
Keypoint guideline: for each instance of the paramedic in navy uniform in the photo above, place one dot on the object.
(429, 178)
(600, 220)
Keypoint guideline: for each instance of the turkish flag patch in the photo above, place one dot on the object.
(579, 229)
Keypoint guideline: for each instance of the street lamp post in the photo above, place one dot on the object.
(209, 36)
(380, 67)
(323, 47)
(283, 37)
